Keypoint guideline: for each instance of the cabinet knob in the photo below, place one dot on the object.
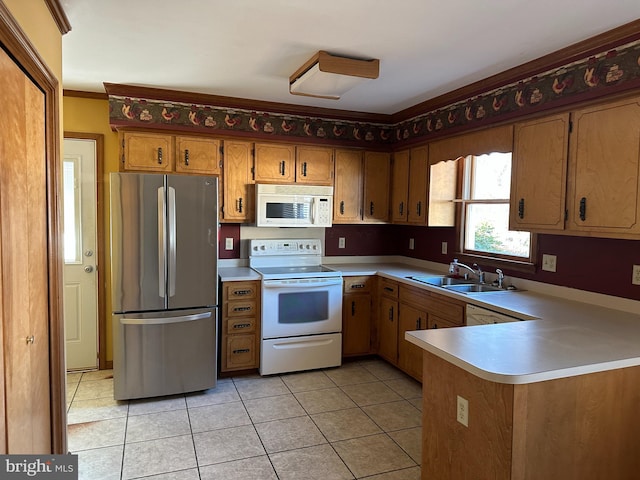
(30, 340)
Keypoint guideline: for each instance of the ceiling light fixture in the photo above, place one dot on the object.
(329, 76)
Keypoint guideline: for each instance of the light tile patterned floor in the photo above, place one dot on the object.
(361, 420)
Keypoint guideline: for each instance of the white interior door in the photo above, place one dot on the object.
(80, 256)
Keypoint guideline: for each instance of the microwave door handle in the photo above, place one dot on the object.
(313, 210)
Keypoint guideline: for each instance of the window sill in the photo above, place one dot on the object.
(485, 261)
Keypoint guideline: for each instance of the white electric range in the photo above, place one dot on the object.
(301, 306)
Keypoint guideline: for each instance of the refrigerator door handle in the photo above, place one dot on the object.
(164, 321)
(171, 206)
(161, 243)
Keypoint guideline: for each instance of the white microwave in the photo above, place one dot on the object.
(293, 205)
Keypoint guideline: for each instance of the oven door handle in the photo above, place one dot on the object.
(307, 285)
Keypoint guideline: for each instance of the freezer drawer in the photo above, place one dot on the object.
(164, 353)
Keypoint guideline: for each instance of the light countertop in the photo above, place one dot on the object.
(562, 338)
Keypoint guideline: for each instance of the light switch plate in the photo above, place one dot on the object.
(462, 410)
(228, 243)
(635, 279)
(412, 244)
(548, 263)
(444, 248)
(341, 242)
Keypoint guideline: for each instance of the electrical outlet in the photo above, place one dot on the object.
(228, 243)
(635, 280)
(341, 242)
(444, 248)
(411, 244)
(462, 410)
(549, 263)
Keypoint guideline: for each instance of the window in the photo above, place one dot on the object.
(485, 210)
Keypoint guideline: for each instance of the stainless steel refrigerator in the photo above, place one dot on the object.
(164, 249)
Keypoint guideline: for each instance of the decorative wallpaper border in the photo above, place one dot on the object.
(599, 75)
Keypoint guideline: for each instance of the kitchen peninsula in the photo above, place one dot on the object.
(547, 399)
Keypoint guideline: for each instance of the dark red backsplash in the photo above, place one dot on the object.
(599, 265)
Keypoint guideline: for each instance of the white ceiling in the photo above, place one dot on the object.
(249, 48)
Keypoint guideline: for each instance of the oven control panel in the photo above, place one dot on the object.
(262, 247)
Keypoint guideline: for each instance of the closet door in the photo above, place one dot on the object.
(24, 304)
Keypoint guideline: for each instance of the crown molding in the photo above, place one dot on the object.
(83, 94)
(121, 90)
(59, 16)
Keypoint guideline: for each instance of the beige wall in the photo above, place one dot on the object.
(84, 115)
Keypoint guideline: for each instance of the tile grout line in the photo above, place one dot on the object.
(193, 440)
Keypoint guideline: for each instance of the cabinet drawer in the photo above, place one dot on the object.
(357, 284)
(240, 308)
(414, 296)
(446, 310)
(234, 326)
(437, 322)
(241, 351)
(240, 290)
(389, 288)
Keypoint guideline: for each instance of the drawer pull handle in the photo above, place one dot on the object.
(239, 205)
(242, 325)
(388, 289)
(242, 350)
(186, 157)
(342, 207)
(419, 208)
(418, 323)
(353, 309)
(304, 169)
(282, 168)
(391, 314)
(242, 309)
(583, 208)
(371, 209)
(160, 155)
(401, 208)
(241, 292)
(357, 285)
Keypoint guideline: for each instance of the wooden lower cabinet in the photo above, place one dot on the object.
(403, 308)
(240, 326)
(577, 428)
(356, 316)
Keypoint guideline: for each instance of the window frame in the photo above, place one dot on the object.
(510, 262)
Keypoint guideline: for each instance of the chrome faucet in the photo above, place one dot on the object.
(476, 270)
(500, 277)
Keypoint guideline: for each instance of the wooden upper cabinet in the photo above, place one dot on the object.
(347, 194)
(314, 165)
(275, 163)
(377, 170)
(604, 169)
(399, 187)
(197, 155)
(417, 200)
(237, 179)
(538, 175)
(147, 152)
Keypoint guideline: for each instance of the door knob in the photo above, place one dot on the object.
(88, 269)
